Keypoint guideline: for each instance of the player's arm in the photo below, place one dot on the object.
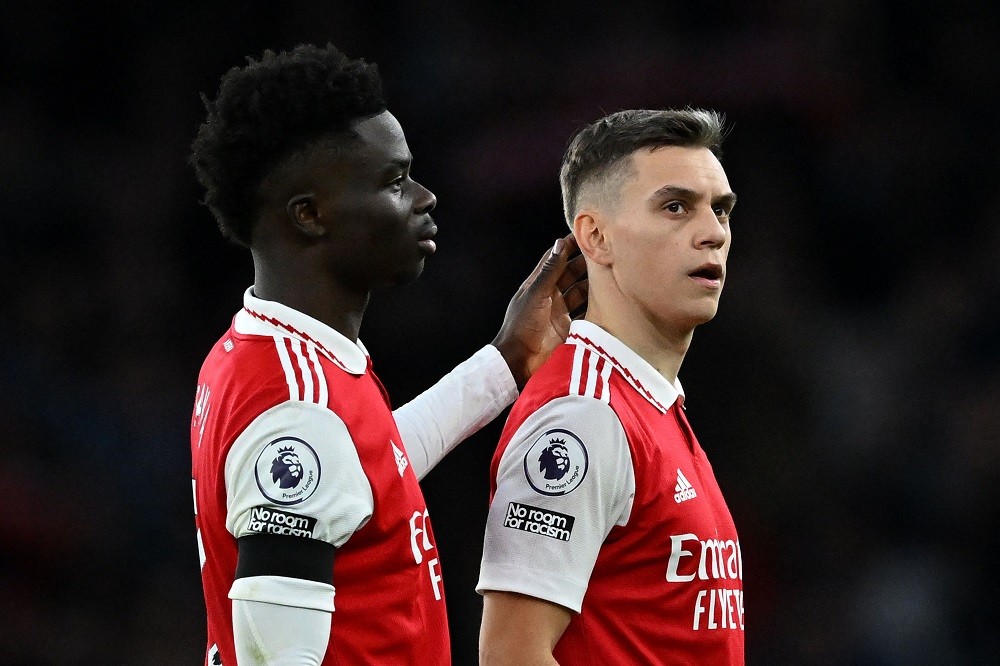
(282, 600)
(283, 592)
(562, 483)
(519, 630)
(537, 320)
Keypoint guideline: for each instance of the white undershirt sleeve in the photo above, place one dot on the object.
(466, 399)
(280, 621)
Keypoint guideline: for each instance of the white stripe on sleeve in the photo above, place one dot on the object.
(286, 365)
(574, 379)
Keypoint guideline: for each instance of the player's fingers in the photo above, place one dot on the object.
(528, 281)
(546, 274)
(571, 245)
(575, 270)
(576, 296)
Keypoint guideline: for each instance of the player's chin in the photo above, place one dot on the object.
(409, 273)
(701, 312)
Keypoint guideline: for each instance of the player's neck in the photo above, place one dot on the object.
(340, 309)
(658, 345)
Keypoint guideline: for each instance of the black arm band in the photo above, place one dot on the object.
(289, 556)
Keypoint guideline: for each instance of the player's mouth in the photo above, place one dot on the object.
(708, 275)
(426, 242)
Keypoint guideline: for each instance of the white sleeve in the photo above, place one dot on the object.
(466, 399)
(564, 480)
(295, 471)
(281, 621)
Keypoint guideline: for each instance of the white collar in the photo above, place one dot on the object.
(260, 317)
(643, 377)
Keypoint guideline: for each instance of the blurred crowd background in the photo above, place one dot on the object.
(848, 393)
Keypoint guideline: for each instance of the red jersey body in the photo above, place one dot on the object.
(282, 410)
(628, 527)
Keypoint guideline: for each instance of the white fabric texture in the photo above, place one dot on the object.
(462, 402)
(517, 560)
(342, 501)
(284, 591)
(281, 621)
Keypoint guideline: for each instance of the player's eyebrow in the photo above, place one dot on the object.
(727, 200)
(397, 164)
(676, 192)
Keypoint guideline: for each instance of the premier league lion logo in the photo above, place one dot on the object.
(286, 469)
(554, 460)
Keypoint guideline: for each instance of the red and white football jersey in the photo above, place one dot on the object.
(603, 501)
(293, 434)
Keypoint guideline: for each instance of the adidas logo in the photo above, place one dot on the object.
(401, 461)
(685, 490)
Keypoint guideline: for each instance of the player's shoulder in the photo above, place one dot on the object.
(242, 350)
(248, 378)
(575, 428)
(254, 366)
(572, 389)
(572, 370)
(536, 414)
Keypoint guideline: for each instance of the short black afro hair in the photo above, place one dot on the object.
(269, 110)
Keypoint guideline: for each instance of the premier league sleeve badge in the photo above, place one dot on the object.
(556, 463)
(287, 471)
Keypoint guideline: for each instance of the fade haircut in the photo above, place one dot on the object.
(268, 111)
(599, 158)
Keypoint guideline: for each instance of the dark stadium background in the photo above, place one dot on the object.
(848, 393)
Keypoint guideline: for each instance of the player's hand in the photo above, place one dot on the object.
(538, 317)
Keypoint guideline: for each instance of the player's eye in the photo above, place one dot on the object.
(721, 212)
(674, 207)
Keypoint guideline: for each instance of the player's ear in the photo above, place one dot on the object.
(304, 215)
(590, 232)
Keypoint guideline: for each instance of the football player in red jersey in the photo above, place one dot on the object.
(608, 540)
(315, 543)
